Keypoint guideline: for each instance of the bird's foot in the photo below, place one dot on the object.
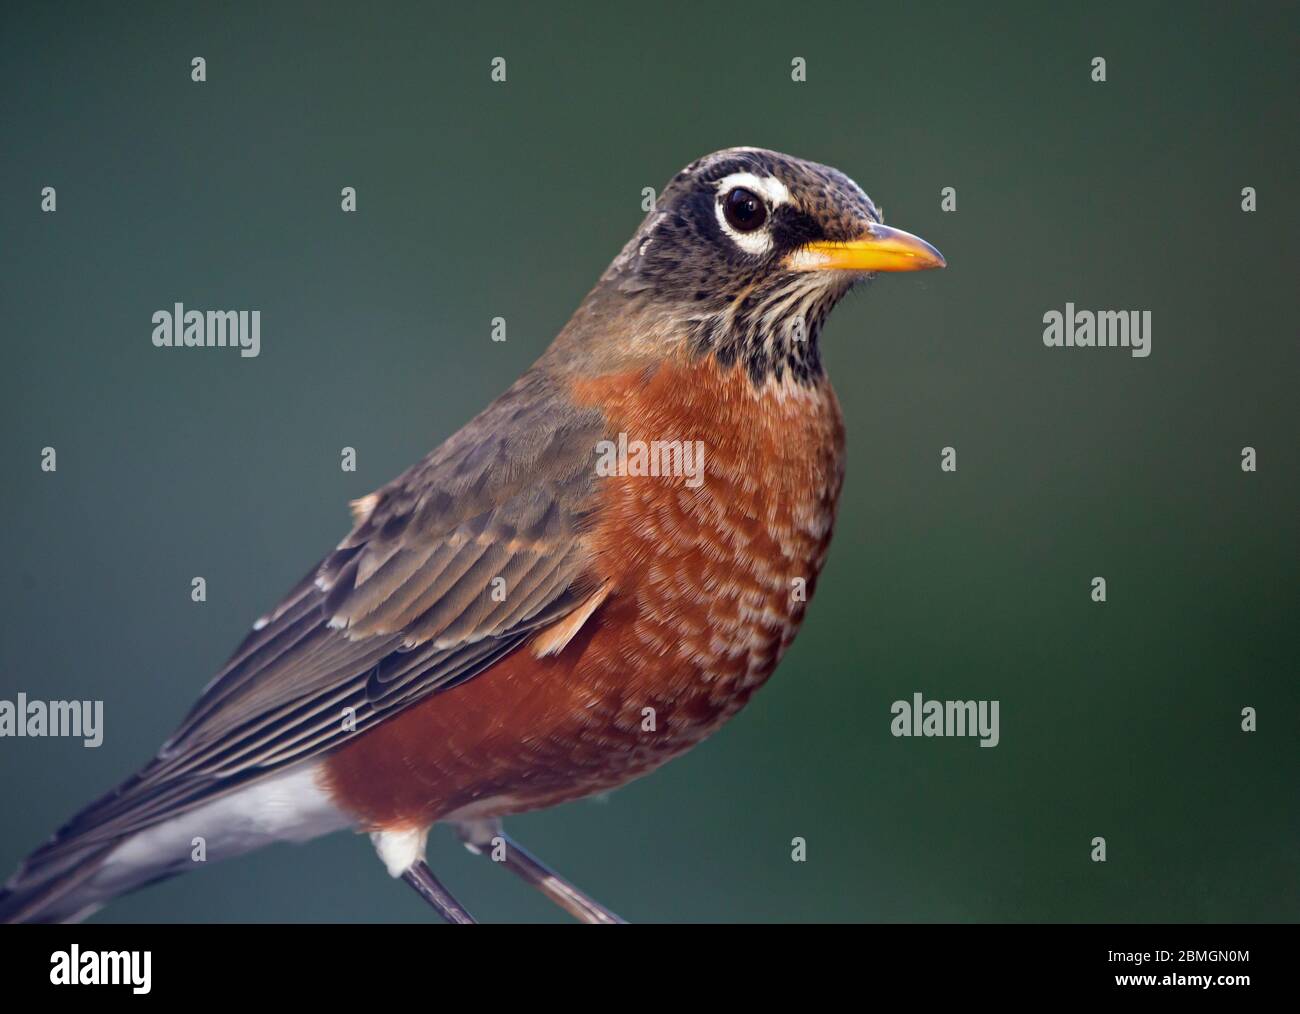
(486, 837)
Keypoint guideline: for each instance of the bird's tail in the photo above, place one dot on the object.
(136, 835)
(82, 867)
(78, 882)
(62, 892)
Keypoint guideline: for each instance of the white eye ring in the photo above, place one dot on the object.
(759, 242)
(769, 188)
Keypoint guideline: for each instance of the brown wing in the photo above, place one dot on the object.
(407, 605)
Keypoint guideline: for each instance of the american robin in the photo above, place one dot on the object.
(583, 582)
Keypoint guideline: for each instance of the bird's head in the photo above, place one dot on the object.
(746, 251)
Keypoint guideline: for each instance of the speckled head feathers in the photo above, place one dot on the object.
(742, 258)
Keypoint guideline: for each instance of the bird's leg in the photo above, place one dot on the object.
(401, 850)
(486, 836)
(419, 876)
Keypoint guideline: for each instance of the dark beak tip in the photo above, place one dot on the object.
(938, 259)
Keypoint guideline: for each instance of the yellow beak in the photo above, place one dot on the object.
(882, 249)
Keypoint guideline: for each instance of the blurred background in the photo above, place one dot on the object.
(478, 200)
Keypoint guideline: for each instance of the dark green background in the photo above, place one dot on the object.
(479, 200)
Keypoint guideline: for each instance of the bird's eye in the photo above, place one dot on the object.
(744, 210)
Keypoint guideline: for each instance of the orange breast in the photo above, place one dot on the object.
(708, 577)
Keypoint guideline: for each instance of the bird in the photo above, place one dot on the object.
(584, 581)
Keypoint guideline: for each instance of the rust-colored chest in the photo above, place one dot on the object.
(716, 502)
